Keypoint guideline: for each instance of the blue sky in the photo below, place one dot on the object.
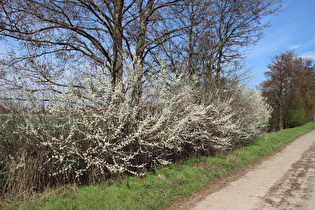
(292, 29)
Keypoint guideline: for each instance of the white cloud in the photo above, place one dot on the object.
(310, 55)
(293, 47)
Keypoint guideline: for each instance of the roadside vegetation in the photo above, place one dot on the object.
(114, 103)
(162, 185)
(68, 145)
(102, 89)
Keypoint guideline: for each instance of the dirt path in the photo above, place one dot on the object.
(283, 180)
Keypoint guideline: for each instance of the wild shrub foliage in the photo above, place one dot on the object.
(69, 142)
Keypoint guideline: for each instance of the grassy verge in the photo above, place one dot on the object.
(164, 185)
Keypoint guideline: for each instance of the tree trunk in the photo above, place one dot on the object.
(137, 82)
(191, 70)
(281, 126)
(138, 61)
(117, 64)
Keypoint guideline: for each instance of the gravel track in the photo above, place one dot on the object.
(283, 180)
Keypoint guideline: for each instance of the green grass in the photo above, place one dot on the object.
(164, 185)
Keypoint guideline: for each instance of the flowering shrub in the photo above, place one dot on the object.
(69, 144)
(252, 111)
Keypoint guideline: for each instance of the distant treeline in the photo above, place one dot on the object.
(290, 90)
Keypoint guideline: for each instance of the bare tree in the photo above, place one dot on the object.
(60, 39)
(218, 32)
(97, 33)
(66, 30)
